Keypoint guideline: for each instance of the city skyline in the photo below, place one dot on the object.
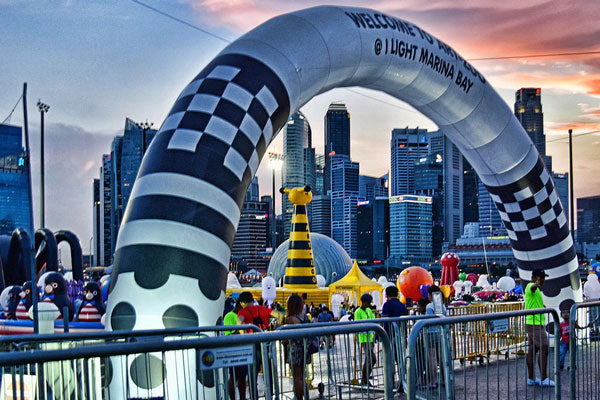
(135, 62)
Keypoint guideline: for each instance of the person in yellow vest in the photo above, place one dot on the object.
(366, 339)
(535, 326)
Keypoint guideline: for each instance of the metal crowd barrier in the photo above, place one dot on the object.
(341, 359)
(174, 368)
(584, 350)
(433, 371)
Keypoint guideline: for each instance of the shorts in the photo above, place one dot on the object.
(536, 334)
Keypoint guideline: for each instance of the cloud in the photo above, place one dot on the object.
(72, 160)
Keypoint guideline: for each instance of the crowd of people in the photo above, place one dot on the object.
(297, 354)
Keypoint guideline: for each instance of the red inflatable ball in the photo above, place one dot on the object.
(473, 278)
(410, 281)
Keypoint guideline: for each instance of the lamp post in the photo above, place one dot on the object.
(572, 205)
(276, 163)
(43, 110)
(144, 126)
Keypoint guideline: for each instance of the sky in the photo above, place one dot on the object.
(96, 62)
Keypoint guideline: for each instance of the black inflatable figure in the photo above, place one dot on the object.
(55, 291)
(25, 301)
(13, 302)
(92, 307)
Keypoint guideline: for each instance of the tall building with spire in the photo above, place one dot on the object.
(297, 137)
(337, 136)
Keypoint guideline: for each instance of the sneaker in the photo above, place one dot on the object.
(534, 382)
(548, 382)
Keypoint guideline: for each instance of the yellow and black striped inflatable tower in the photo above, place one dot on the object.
(300, 268)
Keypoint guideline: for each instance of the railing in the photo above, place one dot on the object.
(164, 368)
(584, 350)
(434, 372)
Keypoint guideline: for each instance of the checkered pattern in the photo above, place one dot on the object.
(226, 102)
(530, 207)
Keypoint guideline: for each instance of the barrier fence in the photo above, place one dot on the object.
(468, 356)
(583, 347)
(189, 368)
(434, 372)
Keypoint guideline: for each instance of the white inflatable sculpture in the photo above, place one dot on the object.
(233, 282)
(506, 283)
(202, 160)
(269, 291)
(591, 289)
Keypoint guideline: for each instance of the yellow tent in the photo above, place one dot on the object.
(355, 284)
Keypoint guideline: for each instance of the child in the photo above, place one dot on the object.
(565, 330)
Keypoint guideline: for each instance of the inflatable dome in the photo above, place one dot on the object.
(331, 260)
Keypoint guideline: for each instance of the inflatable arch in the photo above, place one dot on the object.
(174, 243)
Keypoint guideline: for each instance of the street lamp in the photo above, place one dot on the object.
(276, 163)
(43, 110)
(144, 126)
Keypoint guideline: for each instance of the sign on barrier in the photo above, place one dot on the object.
(500, 325)
(226, 357)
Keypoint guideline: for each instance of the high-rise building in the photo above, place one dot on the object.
(117, 175)
(370, 187)
(528, 110)
(561, 182)
(272, 235)
(15, 193)
(429, 181)
(407, 147)
(96, 223)
(344, 199)
(588, 219)
(373, 224)
(337, 137)
(252, 194)
(410, 229)
(490, 223)
(296, 137)
(321, 218)
(452, 162)
(319, 174)
(470, 193)
(251, 238)
(105, 238)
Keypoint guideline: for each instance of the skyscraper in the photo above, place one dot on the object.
(251, 238)
(490, 223)
(410, 229)
(407, 147)
(452, 162)
(117, 175)
(96, 223)
(15, 199)
(528, 110)
(106, 243)
(588, 219)
(470, 193)
(296, 137)
(337, 136)
(252, 194)
(321, 218)
(429, 181)
(373, 225)
(561, 182)
(370, 187)
(320, 174)
(344, 199)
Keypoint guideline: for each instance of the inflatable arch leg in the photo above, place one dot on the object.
(174, 243)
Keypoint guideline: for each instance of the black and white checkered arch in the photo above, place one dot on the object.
(174, 243)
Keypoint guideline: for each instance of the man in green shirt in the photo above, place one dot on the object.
(365, 312)
(238, 373)
(535, 326)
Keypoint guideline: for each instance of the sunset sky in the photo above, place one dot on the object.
(97, 61)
